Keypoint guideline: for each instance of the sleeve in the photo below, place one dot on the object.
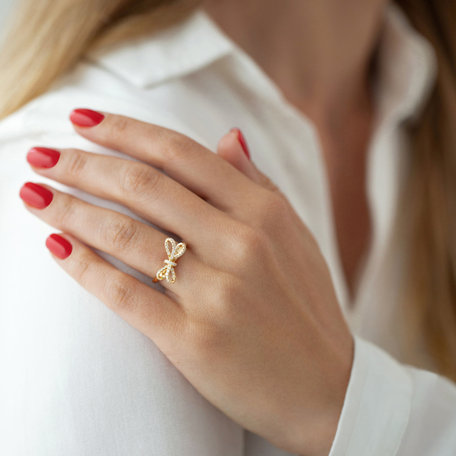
(394, 409)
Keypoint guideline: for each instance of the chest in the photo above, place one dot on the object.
(346, 171)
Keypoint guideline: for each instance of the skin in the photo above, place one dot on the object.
(318, 53)
(262, 340)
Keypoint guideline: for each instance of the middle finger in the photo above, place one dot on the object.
(144, 189)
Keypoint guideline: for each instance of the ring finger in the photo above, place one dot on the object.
(129, 240)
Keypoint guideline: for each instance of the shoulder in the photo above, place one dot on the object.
(47, 116)
(154, 78)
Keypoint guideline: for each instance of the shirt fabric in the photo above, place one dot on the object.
(78, 380)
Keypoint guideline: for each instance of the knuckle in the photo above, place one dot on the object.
(210, 332)
(82, 269)
(77, 162)
(249, 243)
(175, 146)
(205, 337)
(275, 204)
(273, 209)
(118, 125)
(138, 179)
(120, 233)
(120, 293)
(224, 291)
(66, 214)
(228, 302)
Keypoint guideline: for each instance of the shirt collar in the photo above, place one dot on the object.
(407, 62)
(188, 46)
(407, 67)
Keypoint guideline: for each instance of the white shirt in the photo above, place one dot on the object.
(77, 380)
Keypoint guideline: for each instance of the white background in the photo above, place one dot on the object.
(5, 6)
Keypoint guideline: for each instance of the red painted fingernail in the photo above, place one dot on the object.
(59, 246)
(242, 142)
(43, 157)
(36, 195)
(86, 117)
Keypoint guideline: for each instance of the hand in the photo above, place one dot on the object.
(252, 320)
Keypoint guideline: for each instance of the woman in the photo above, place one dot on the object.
(347, 109)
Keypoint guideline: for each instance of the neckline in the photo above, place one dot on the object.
(407, 68)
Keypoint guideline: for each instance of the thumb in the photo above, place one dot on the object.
(233, 148)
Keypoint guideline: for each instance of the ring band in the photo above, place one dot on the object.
(174, 251)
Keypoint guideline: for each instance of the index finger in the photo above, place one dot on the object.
(180, 157)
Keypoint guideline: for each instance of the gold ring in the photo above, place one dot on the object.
(174, 251)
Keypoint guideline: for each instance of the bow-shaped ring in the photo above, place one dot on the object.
(174, 251)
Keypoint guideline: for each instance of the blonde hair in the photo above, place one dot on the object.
(429, 202)
(46, 38)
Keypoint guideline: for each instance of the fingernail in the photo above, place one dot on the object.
(86, 117)
(59, 246)
(43, 157)
(242, 141)
(36, 195)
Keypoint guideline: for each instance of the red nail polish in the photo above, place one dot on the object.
(242, 142)
(59, 246)
(86, 117)
(43, 157)
(36, 195)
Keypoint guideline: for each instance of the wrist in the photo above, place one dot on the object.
(316, 436)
